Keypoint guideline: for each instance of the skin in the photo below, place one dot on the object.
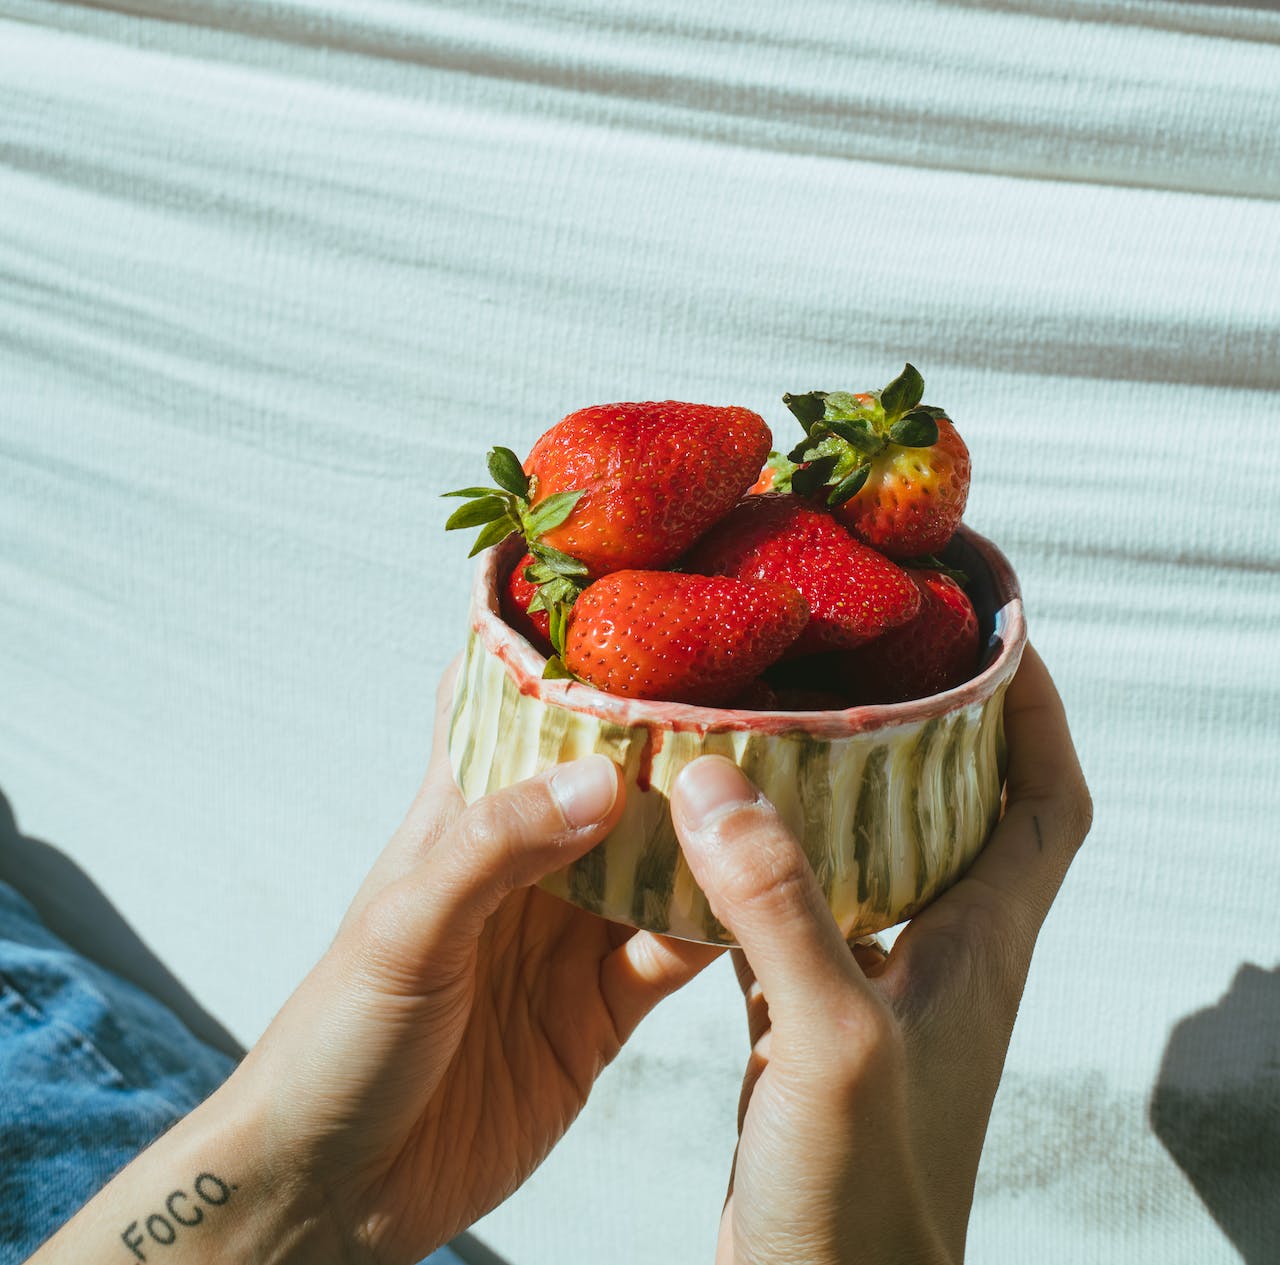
(871, 1078)
(455, 1026)
(431, 1059)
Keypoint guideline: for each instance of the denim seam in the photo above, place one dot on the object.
(25, 1006)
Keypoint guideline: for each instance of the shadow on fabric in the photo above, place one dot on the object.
(74, 908)
(1267, 6)
(1216, 1109)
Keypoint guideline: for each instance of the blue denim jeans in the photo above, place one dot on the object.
(92, 1069)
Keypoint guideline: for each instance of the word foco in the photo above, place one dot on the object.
(182, 1209)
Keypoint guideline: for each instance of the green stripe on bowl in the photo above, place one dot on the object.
(888, 818)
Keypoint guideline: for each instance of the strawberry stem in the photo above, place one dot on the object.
(506, 510)
(930, 562)
(556, 671)
(845, 432)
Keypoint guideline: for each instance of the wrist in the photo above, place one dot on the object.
(217, 1187)
(259, 1201)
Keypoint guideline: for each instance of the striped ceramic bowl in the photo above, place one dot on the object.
(891, 802)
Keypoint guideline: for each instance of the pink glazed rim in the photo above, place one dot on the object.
(1001, 620)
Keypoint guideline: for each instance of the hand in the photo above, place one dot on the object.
(452, 1034)
(871, 1078)
(426, 1065)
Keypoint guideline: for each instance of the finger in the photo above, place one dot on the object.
(756, 1064)
(433, 916)
(1009, 888)
(724, 1236)
(1048, 810)
(760, 885)
(1042, 757)
(438, 765)
(753, 996)
(638, 974)
(438, 800)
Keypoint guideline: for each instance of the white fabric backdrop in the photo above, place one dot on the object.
(274, 275)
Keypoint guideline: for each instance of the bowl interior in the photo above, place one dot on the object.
(991, 586)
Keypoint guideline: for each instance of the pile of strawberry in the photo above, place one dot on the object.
(672, 556)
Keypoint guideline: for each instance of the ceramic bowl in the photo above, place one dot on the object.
(891, 802)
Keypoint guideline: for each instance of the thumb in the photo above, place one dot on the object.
(761, 886)
(430, 919)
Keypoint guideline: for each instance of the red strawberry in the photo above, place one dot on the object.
(611, 487)
(934, 652)
(854, 593)
(517, 592)
(894, 471)
(682, 638)
(655, 477)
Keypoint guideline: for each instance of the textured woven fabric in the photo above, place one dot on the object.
(274, 275)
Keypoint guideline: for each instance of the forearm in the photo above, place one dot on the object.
(209, 1190)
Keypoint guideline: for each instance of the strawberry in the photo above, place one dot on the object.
(682, 638)
(934, 652)
(655, 477)
(613, 487)
(853, 592)
(518, 591)
(620, 486)
(895, 472)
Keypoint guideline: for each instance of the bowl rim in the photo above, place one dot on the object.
(524, 665)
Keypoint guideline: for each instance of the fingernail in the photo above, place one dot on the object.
(710, 787)
(585, 790)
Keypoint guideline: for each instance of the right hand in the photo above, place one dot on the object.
(871, 1078)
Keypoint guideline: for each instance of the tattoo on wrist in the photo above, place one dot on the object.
(182, 1210)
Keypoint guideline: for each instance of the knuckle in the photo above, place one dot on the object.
(1079, 813)
(488, 838)
(377, 932)
(483, 825)
(1000, 938)
(971, 944)
(868, 1047)
(497, 833)
(768, 877)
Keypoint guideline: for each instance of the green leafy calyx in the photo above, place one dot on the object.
(560, 578)
(931, 562)
(845, 433)
(783, 469)
(499, 511)
(556, 670)
(508, 509)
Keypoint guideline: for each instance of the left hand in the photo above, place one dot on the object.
(453, 1031)
(428, 1063)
